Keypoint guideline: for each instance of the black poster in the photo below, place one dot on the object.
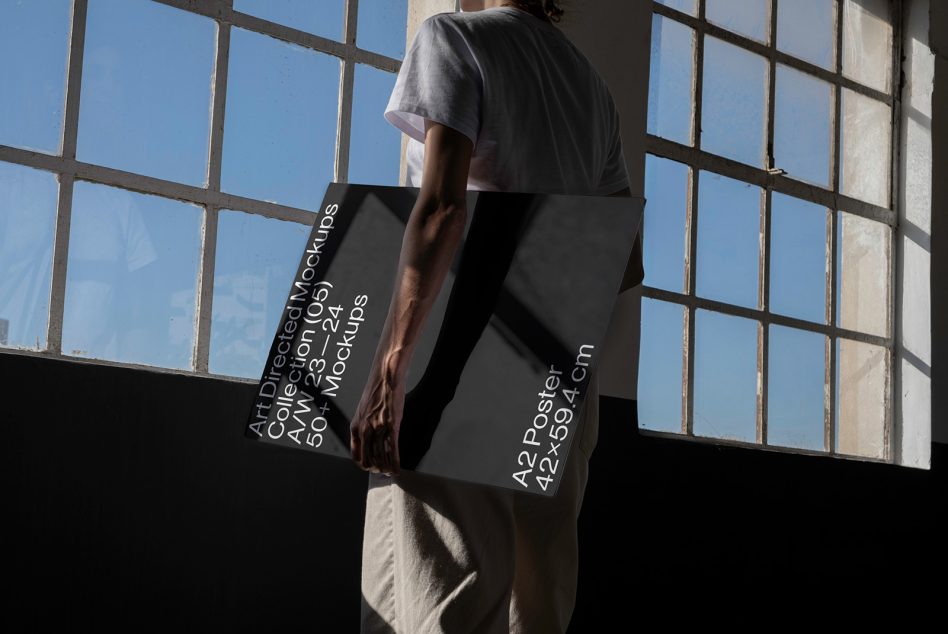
(499, 376)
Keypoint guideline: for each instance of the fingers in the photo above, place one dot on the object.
(368, 447)
(382, 437)
(391, 453)
(394, 461)
(390, 465)
(376, 457)
(379, 451)
(355, 444)
(382, 453)
(374, 432)
(390, 443)
(360, 447)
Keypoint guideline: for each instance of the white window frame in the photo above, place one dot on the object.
(210, 198)
(909, 413)
(907, 440)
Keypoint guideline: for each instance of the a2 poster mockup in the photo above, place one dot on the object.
(499, 375)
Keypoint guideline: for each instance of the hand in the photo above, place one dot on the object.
(374, 427)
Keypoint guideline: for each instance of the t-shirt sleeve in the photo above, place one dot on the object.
(439, 80)
(614, 175)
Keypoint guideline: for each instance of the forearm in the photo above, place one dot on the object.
(431, 238)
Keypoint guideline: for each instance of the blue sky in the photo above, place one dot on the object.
(145, 108)
(145, 104)
(734, 124)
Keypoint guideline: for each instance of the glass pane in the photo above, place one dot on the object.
(256, 262)
(383, 26)
(131, 277)
(280, 128)
(146, 92)
(666, 206)
(860, 398)
(796, 377)
(34, 51)
(802, 130)
(805, 30)
(798, 258)
(867, 43)
(660, 365)
(862, 271)
(728, 239)
(725, 399)
(323, 18)
(375, 145)
(746, 17)
(687, 6)
(866, 134)
(732, 113)
(671, 74)
(28, 199)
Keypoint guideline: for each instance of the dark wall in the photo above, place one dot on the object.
(138, 502)
(757, 536)
(141, 501)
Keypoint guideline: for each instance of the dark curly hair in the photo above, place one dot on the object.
(543, 9)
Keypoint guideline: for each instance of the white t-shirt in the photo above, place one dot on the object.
(540, 116)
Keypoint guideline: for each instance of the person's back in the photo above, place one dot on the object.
(444, 555)
(542, 118)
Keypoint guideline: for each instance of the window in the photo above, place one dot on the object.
(771, 227)
(160, 162)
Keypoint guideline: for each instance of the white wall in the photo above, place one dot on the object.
(616, 35)
(938, 41)
(913, 241)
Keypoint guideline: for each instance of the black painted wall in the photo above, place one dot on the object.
(138, 503)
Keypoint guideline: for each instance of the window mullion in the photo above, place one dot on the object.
(829, 433)
(346, 81)
(763, 283)
(77, 36)
(688, 365)
(782, 183)
(205, 288)
(893, 400)
(218, 98)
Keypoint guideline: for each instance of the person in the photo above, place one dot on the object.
(494, 97)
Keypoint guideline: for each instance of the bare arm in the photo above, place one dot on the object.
(431, 238)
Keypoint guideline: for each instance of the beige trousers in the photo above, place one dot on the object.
(442, 555)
